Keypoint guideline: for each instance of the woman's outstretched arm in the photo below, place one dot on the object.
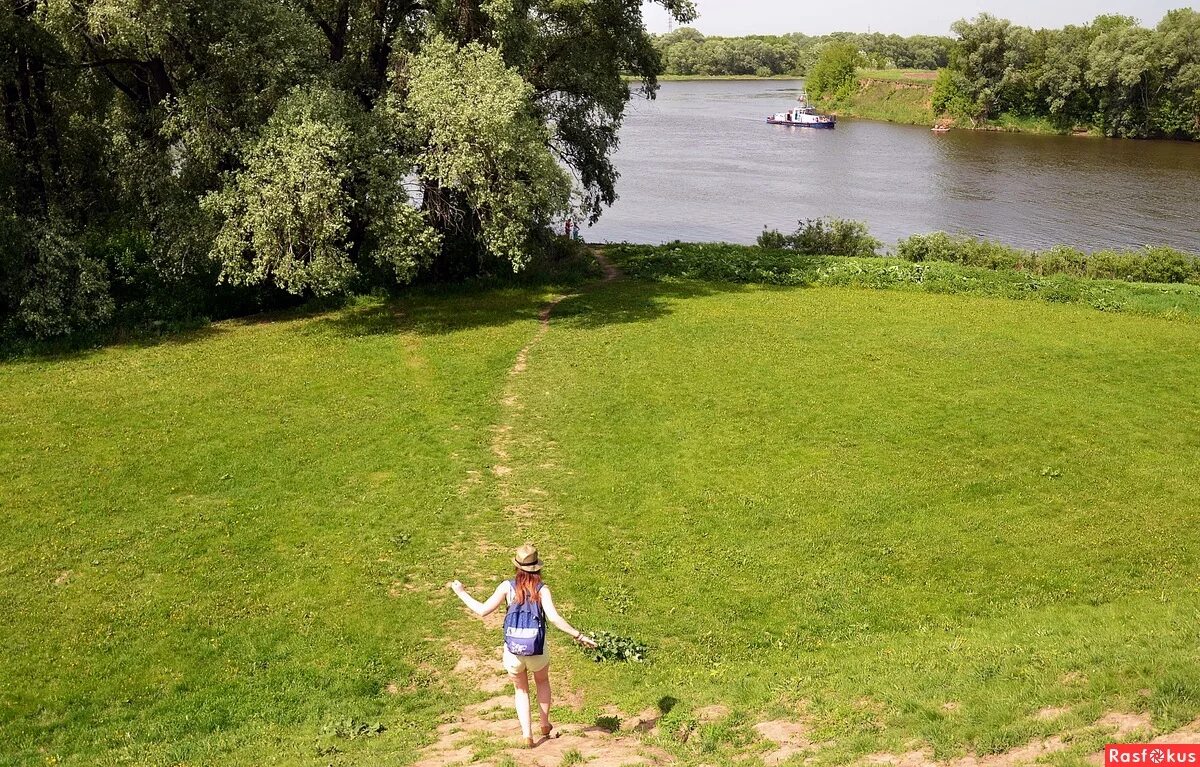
(560, 622)
(480, 608)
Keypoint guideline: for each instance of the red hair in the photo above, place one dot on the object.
(528, 588)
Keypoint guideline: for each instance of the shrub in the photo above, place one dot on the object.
(1152, 264)
(937, 246)
(952, 95)
(724, 263)
(772, 239)
(824, 237)
(59, 289)
(835, 72)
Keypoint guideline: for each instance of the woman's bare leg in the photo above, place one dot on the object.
(542, 678)
(521, 701)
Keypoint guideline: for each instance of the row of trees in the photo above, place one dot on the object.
(1114, 74)
(172, 158)
(686, 51)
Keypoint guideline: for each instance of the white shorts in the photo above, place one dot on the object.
(515, 664)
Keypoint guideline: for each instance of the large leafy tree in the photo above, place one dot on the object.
(1122, 70)
(1115, 74)
(1177, 52)
(154, 150)
(992, 55)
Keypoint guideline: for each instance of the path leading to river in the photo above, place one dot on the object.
(487, 733)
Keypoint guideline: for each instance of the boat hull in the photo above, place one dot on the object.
(819, 125)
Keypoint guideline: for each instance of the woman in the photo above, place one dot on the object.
(530, 605)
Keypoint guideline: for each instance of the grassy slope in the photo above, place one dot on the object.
(721, 262)
(868, 505)
(234, 516)
(833, 496)
(893, 95)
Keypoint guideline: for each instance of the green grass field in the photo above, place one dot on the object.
(849, 505)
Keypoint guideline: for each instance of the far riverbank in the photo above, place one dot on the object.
(904, 97)
(700, 163)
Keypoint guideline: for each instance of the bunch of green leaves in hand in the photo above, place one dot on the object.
(613, 647)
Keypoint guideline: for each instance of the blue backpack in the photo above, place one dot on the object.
(524, 627)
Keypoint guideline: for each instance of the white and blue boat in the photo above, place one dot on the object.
(803, 115)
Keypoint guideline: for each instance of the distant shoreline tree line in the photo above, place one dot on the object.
(686, 51)
(1113, 74)
(174, 160)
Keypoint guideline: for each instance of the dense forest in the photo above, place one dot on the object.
(686, 51)
(167, 159)
(1113, 74)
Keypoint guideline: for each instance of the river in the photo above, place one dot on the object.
(699, 163)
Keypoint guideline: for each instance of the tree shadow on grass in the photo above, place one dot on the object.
(84, 347)
(588, 306)
(431, 313)
(426, 311)
(633, 300)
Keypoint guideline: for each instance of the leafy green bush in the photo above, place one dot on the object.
(952, 97)
(613, 647)
(834, 73)
(824, 237)
(716, 262)
(352, 729)
(49, 284)
(724, 263)
(772, 239)
(1152, 264)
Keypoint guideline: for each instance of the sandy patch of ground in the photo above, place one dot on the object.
(789, 738)
(711, 713)
(646, 721)
(1189, 733)
(1120, 725)
(1124, 724)
(494, 721)
(483, 671)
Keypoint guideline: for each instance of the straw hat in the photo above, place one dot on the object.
(527, 559)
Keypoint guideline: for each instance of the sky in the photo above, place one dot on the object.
(904, 17)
